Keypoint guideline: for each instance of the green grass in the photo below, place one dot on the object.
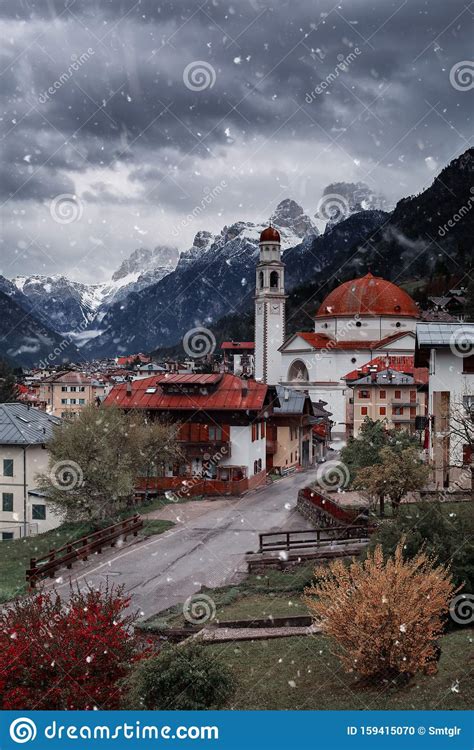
(304, 674)
(15, 554)
(276, 593)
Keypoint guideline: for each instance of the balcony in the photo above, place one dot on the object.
(272, 446)
(403, 418)
(193, 449)
(399, 402)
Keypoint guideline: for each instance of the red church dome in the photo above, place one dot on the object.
(370, 295)
(270, 234)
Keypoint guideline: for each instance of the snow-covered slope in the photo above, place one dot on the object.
(71, 307)
(214, 277)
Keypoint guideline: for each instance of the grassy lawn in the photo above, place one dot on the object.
(277, 593)
(303, 673)
(15, 555)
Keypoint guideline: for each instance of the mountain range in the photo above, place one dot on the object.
(158, 294)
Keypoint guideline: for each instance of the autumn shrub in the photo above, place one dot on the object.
(60, 655)
(185, 678)
(384, 616)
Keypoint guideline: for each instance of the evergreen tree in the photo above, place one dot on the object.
(8, 386)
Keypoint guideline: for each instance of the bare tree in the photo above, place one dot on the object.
(461, 431)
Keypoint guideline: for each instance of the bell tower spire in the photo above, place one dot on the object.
(270, 299)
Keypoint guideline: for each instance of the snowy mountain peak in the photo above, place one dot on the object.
(290, 215)
(143, 259)
(203, 239)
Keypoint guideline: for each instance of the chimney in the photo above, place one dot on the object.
(129, 388)
(286, 394)
(245, 388)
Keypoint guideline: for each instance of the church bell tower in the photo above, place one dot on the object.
(270, 302)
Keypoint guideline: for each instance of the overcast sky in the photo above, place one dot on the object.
(120, 117)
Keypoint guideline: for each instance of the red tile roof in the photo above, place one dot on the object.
(218, 392)
(369, 295)
(399, 363)
(238, 345)
(131, 358)
(76, 378)
(321, 341)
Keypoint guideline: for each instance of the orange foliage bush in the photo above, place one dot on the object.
(384, 615)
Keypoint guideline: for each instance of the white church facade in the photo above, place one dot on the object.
(359, 320)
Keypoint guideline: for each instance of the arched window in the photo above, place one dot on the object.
(260, 279)
(298, 371)
(274, 280)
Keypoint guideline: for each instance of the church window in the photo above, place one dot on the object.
(298, 371)
(353, 360)
(274, 280)
(260, 279)
(358, 324)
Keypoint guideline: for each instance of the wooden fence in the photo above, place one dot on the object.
(288, 540)
(80, 549)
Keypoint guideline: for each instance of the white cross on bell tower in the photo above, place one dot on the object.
(270, 302)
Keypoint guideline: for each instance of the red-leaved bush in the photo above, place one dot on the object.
(66, 655)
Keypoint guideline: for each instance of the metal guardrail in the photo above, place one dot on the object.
(287, 540)
(80, 549)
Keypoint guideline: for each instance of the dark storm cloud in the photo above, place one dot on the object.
(93, 94)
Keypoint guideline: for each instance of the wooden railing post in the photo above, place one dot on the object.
(32, 571)
(52, 557)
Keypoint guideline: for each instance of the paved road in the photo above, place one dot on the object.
(202, 549)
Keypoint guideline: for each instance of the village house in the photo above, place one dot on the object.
(66, 393)
(131, 360)
(24, 435)
(447, 349)
(290, 437)
(222, 433)
(238, 357)
(453, 303)
(322, 428)
(389, 389)
(147, 369)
